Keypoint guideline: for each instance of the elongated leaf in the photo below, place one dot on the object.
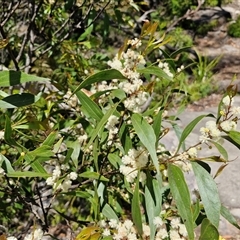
(235, 136)
(208, 231)
(11, 78)
(220, 169)
(81, 194)
(175, 53)
(104, 75)
(209, 193)
(125, 137)
(42, 151)
(101, 124)
(157, 123)
(153, 70)
(34, 163)
(108, 212)
(229, 217)
(49, 141)
(221, 150)
(136, 211)
(147, 136)
(196, 210)
(114, 159)
(89, 233)
(231, 141)
(89, 106)
(18, 174)
(8, 135)
(18, 100)
(6, 164)
(188, 129)
(153, 201)
(181, 195)
(93, 175)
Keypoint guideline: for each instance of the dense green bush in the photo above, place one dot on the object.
(81, 142)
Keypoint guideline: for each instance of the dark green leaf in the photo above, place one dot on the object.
(11, 78)
(181, 195)
(104, 75)
(209, 193)
(18, 100)
(188, 129)
(136, 211)
(180, 50)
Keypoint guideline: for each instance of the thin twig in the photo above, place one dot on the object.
(14, 8)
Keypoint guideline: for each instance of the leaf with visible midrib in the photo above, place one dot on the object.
(181, 195)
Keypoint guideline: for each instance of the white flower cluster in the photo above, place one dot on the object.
(210, 131)
(11, 238)
(165, 67)
(111, 126)
(177, 229)
(230, 114)
(120, 231)
(36, 234)
(133, 162)
(1, 134)
(182, 159)
(126, 230)
(67, 181)
(127, 64)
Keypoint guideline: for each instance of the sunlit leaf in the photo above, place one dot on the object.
(89, 107)
(18, 174)
(89, 233)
